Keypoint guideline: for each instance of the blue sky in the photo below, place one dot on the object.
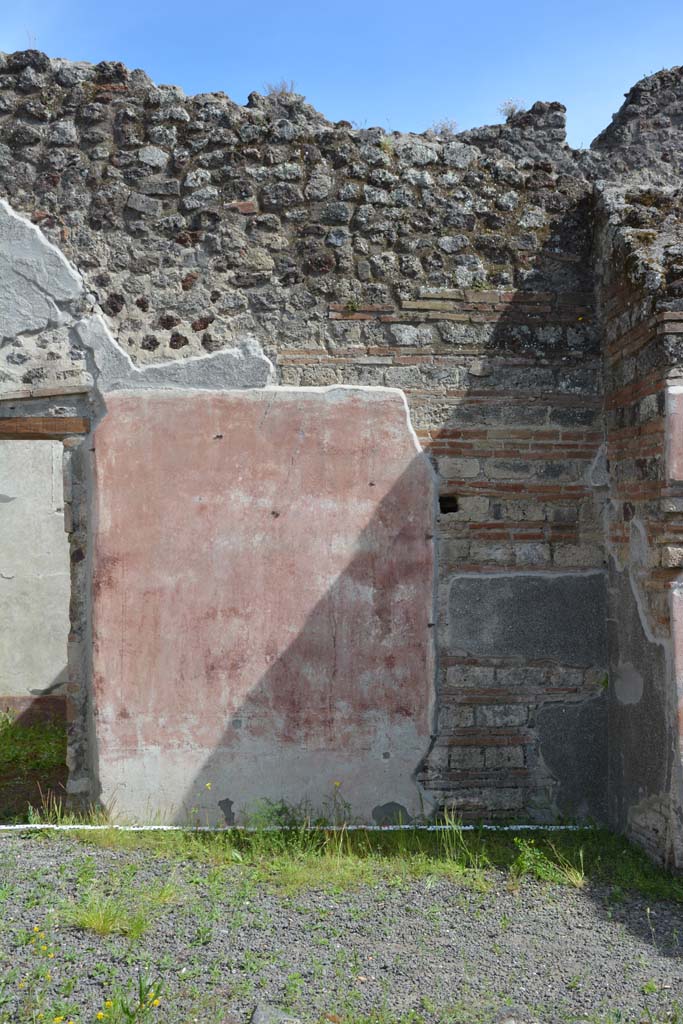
(398, 64)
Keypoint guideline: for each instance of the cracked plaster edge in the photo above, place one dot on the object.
(428, 801)
(114, 370)
(242, 366)
(44, 243)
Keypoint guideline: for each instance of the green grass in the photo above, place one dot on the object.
(36, 748)
(55, 811)
(105, 915)
(211, 879)
(296, 858)
(121, 910)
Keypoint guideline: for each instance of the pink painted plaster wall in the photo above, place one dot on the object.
(674, 433)
(262, 601)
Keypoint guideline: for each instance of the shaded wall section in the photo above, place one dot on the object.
(641, 317)
(34, 574)
(263, 602)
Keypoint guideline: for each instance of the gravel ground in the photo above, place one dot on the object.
(431, 946)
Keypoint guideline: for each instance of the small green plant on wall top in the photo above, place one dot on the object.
(509, 108)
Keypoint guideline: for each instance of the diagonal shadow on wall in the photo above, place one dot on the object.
(340, 677)
(269, 630)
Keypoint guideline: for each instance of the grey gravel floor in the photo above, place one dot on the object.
(436, 948)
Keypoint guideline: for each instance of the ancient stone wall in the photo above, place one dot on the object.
(485, 275)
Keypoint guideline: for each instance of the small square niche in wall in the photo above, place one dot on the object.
(448, 503)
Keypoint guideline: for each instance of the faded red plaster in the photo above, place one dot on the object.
(265, 559)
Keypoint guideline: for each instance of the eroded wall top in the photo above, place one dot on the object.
(198, 223)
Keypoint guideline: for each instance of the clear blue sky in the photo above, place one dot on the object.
(403, 65)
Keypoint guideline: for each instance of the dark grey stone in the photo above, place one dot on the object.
(227, 808)
(573, 745)
(271, 1015)
(391, 814)
(641, 735)
(513, 1015)
(530, 615)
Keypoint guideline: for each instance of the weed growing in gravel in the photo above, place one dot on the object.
(33, 984)
(41, 1000)
(105, 915)
(298, 857)
(123, 1008)
(464, 849)
(547, 866)
(53, 811)
(123, 913)
(672, 1015)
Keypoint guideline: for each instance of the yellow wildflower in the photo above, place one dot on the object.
(36, 928)
(57, 1020)
(100, 1015)
(43, 948)
(108, 1003)
(208, 785)
(156, 1002)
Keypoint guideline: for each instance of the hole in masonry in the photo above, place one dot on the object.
(448, 503)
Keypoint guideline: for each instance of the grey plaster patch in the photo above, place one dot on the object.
(36, 279)
(598, 473)
(628, 684)
(536, 616)
(573, 745)
(642, 733)
(243, 367)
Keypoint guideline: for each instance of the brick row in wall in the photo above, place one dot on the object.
(635, 409)
(487, 760)
(513, 425)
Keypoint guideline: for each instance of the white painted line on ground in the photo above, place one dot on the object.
(38, 827)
